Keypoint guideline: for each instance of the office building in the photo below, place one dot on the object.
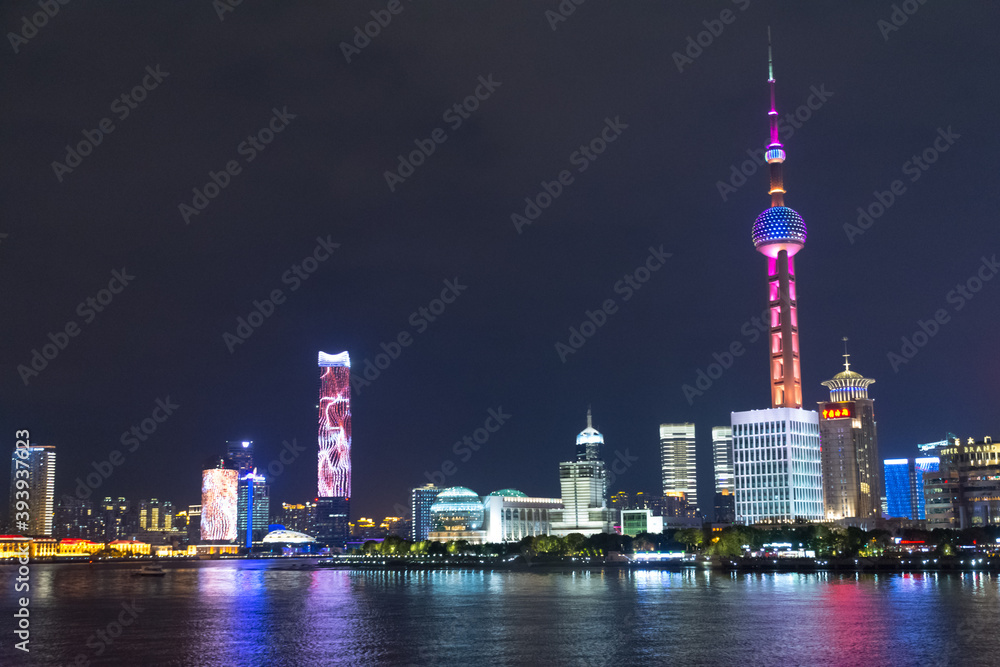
(620, 501)
(421, 500)
(253, 503)
(219, 493)
(299, 517)
(240, 452)
(677, 461)
(776, 452)
(776, 455)
(332, 523)
(965, 492)
(583, 486)
(33, 490)
(193, 524)
(849, 441)
(75, 519)
(722, 457)
(904, 486)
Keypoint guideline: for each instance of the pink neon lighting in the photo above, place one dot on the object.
(218, 504)
(334, 431)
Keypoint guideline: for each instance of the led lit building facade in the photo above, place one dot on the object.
(421, 500)
(849, 440)
(904, 486)
(33, 484)
(457, 514)
(677, 461)
(334, 426)
(583, 485)
(219, 492)
(776, 452)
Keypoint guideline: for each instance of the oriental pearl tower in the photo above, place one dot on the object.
(779, 233)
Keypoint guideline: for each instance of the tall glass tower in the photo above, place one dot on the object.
(584, 485)
(35, 465)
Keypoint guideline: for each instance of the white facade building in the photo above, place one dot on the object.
(677, 461)
(778, 469)
(511, 516)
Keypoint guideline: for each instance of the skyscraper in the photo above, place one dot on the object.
(33, 490)
(722, 459)
(219, 490)
(847, 435)
(253, 501)
(584, 484)
(334, 425)
(776, 452)
(240, 452)
(677, 461)
(421, 500)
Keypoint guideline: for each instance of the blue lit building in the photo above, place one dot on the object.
(904, 486)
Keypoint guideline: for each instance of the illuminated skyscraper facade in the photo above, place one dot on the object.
(776, 452)
(722, 460)
(334, 425)
(421, 500)
(677, 461)
(219, 491)
(253, 501)
(33, 490)
(583, 484)
(847, 434)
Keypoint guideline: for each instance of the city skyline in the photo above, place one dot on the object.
(458, 281)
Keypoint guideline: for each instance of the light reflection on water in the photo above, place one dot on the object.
(251, 613)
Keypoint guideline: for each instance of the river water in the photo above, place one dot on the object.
(255, 613)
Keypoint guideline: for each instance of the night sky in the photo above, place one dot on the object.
(885, 95)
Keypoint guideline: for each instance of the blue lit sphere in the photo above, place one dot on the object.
(779, 226)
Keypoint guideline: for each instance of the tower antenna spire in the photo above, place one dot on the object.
(847, 356)
(770, 61)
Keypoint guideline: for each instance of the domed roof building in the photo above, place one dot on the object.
(509, 493)
(457, 509)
